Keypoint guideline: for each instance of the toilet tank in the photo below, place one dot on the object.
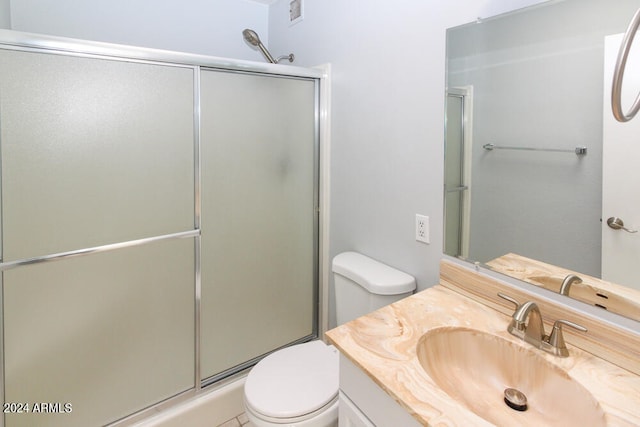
(363, 285)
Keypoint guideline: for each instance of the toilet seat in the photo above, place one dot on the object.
(294, 383)
(327, 415)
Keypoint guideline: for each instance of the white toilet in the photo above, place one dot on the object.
(298, 385)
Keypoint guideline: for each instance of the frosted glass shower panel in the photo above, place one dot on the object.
(454, 175)
(258, 215)
(108, 334)
(93, 152)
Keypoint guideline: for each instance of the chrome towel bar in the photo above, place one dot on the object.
(581, 151)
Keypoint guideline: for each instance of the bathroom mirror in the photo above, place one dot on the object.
(527, 105)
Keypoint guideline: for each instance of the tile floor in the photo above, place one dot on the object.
(239, 421)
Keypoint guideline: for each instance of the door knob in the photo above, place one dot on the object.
(617, 224)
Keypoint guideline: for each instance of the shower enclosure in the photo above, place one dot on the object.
(159, 224)
(457, 171)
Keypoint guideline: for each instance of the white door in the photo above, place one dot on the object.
(621, 173)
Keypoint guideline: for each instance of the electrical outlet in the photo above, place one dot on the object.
(422, 228)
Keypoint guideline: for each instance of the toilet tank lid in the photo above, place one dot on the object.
(374, 276)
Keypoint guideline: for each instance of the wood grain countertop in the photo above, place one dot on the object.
(384, 345)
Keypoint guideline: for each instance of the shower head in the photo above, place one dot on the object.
(252, 38)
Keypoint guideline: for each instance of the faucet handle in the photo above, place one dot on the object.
(516, 327)
(558, 324)
(511, 300)
(556, 339)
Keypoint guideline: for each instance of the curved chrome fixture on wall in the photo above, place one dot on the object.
(252, 38)
(618, 74)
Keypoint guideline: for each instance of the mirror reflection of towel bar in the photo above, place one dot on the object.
(581, 151)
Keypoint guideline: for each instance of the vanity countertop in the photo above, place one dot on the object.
(383, 345)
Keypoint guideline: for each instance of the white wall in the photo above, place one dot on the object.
(388, 65)
(210, 27)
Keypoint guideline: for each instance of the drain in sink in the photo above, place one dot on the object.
(515, 399)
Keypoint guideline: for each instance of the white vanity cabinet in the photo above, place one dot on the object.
(364, 404)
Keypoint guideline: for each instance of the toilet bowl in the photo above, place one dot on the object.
(298, 385)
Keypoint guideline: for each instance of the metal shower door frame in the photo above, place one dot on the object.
(12, 40)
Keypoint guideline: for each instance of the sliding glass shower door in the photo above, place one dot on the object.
(259, 215)
(159, 229)
(97, 213)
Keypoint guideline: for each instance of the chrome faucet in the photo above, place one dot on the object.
(526, 324)
(534, 328)
(567, 282)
